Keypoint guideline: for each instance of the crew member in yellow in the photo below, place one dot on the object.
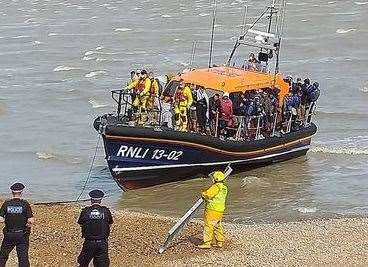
(183, 98)
(215, 198)
(153, 92)
(141, 88)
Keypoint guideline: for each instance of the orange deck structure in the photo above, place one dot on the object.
(232, 80)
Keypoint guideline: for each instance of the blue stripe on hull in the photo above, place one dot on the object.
(140, 164)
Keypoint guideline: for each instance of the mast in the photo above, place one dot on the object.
(212, 33)
(268, 42)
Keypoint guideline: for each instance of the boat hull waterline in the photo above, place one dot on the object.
(139, 158)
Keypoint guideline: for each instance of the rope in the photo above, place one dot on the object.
(90, 169)
(84, 186)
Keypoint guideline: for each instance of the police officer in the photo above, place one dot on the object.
(18, 218)
(95, 221)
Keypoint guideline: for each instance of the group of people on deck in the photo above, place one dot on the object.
(191, 109)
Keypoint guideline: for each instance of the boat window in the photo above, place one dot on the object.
(170, 88)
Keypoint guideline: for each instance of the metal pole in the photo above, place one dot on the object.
(119, 104)
(194, 48)
(212, 34)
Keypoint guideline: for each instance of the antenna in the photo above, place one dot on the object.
(194, 48)
(212, 33)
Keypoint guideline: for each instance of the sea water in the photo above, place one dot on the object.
(60, 59)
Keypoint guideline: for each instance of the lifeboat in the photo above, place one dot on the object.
(141, 156)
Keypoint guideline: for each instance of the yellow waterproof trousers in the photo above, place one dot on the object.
(181, 118)
(213, 226)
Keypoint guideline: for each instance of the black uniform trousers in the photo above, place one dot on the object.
(20, 240)
(96, 250)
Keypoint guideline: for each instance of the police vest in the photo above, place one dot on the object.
(217, 203)
(96, 226)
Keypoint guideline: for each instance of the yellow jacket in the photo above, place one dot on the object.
(147, 87)
(215, 197)
(133, 84)
(188, 95)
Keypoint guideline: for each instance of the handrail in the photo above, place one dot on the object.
(246, 127)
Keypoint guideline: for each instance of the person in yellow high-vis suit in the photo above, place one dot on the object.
(215, 198)
(141, 88)
(183, 100)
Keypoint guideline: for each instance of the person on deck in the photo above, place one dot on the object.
(182, 100)
(17, 215)
(226, 113)
(141, 88)
(202, 109)
(215, 199)
(214, 103)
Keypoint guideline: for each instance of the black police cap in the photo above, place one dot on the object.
(96, 194)
(17, 187)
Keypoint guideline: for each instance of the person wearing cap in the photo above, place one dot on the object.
(95, 222)
(225, 113)
(215, 199)
(17, 215)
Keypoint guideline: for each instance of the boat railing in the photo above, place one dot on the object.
(310, 110)
(255, 127)
(126, 110)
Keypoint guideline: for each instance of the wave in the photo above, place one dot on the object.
(203, 14)
(360, 3)
(36, 42)
(63, 68)
(342, 31)
(95, 73)
(98, 48)
(340, 150)
(86, 58)
(52, 34)
(306, 210)
(21, 37)
(364, 89)
(88, 53)
(45, 155)
(101, 59)
(95, 104)
(122, 29)
(165, 16)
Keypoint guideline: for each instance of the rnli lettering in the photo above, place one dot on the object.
(143, 153)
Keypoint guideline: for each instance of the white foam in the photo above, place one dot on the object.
(44, 155)
(203, 14)
(101, 59)
(364, 89)
(95, 104)
(340, 150)
(122, 29)
(36, 42)
(88, 53)
(98, 48)
(361, 3)
(63, 68)
(30, 20)
(95, 73)
(342, 31)
(248, 180)
(86, 58)
(52, 34)
(165, 16)
(307, 210)
(21, 36)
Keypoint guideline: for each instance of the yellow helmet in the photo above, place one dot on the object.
(218, 176)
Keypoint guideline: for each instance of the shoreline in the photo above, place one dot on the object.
(136, 237)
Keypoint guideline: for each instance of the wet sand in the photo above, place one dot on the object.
(136, 237)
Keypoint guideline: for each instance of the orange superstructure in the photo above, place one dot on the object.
(231, 80)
